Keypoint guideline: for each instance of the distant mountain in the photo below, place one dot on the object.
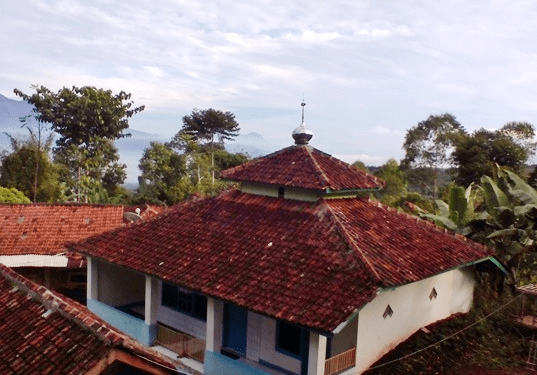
(130, 149)
(252, 144)
(10, 112)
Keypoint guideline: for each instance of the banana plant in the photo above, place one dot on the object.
(459, 212)
(512, 207)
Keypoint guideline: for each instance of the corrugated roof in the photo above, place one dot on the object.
(43, 332)
(304, 167)
(310, 263)
(33, 260)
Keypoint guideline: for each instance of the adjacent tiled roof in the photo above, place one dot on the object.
(43, 332)
(44, 229)
(304, 167)
(310, 263)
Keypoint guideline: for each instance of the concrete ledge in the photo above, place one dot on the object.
(132, 326)
(218, 364)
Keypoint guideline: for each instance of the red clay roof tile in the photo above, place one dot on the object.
(44, 229)
(304, 167)
(310, 263)
(43, 332)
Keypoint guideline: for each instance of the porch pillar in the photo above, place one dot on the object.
(151, 302)
(317, 354)
(215, 324)
(92, 282)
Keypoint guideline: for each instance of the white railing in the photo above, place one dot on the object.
(340, 362)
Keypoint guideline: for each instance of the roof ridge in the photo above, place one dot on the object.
(317, 166)
(349, 238)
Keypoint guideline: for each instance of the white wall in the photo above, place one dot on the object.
(259, 189)
(262, 341)
(119, 286)
(412, 310)
(273, 190)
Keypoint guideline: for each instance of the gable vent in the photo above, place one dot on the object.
(388, 312)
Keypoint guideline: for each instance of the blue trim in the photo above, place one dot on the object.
(132, 326)
(275, 367)
(218, 364)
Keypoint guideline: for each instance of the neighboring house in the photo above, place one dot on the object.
(298, 272)
(43, 332)
(33, 238)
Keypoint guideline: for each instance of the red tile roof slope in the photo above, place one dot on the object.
(45, 228)
(304, 167)
(43, 332)
(310, 263)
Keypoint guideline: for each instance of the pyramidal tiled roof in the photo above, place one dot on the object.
(304, 167)
(310, 263)
(43, 332)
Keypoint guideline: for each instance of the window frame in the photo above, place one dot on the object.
(196, 302)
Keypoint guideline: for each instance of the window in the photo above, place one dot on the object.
(288, 337)
(185, 301)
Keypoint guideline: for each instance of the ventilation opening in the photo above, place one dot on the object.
(433, 294)
(388, 312)
(281, 192)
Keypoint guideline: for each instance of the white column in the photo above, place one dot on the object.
(215, 325)
(151, 300)
(92, 281)
(317, 354)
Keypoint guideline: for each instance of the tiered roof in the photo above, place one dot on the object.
(309, 263)
(304, 167)
(43, 332)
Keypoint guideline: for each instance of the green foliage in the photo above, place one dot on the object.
(206, 127)
(88, 121)
(396, 185)
(478, 154)
(360, 165)
(512, 207)
(428, 144)
(459, 212)
(18, 170)
(12, 195)
(162, 171)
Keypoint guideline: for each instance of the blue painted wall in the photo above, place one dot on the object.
(218, 364)
(125, 322)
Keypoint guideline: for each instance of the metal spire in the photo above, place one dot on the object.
(302, 135)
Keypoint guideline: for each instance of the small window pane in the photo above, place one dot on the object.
(288, 338)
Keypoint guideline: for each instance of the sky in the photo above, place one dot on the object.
(367, 70)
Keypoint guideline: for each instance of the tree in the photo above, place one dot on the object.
(428, 143)
(207, 127)
(478, 154)
(396, 184)
(205, 131)
(88, 120)
(12, 195)
(162, 170)
(28, 168)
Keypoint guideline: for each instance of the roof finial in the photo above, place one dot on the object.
(302, 135)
